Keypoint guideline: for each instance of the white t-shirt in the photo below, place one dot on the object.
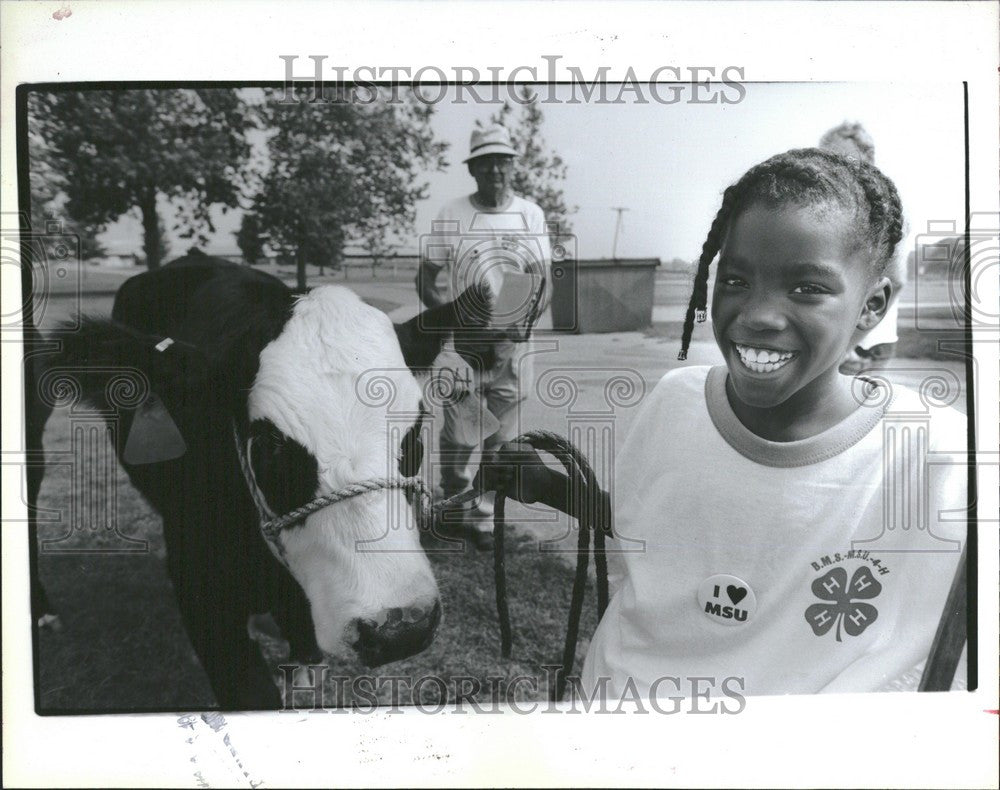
(480, 243)
(794, 567)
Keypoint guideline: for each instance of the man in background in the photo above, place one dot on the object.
(489, 238)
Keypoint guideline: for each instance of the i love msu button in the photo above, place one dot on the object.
(727, 599)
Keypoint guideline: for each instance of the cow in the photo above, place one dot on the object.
(253, 411)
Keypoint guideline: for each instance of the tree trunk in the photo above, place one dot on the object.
(300, 269)
(152, 244)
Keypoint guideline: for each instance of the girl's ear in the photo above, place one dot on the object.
(876, 303)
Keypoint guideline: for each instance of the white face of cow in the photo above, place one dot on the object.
(359, 561)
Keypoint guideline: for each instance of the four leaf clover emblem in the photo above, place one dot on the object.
(843, 602)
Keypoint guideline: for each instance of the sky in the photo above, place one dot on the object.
(669, 164)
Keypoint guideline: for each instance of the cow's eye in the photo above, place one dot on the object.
(411, 452)
(286, 472)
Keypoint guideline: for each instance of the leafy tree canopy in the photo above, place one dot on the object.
(120, 150)
(340, 171)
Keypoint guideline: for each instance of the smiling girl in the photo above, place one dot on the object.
(781, 528)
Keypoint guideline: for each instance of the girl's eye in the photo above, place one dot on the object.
(809, 289)
(734, 282)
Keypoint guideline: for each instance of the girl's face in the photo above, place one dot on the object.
(791, 293)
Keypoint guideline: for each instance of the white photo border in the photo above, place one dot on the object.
(839, 740)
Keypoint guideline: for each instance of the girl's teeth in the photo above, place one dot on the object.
(763, 360)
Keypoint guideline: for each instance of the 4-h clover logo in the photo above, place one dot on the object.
(842, 606)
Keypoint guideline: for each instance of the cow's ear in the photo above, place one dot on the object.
(166, 370)
(423, 336)
(153, 436)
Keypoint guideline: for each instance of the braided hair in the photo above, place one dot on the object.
(804, 177)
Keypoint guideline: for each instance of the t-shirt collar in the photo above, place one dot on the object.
(811, 450)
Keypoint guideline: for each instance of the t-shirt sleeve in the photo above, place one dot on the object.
(541, 233)
(437, 247)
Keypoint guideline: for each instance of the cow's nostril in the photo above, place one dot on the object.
(395, 633)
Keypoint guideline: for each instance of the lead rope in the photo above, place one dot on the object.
(272, 525)
(583, 482)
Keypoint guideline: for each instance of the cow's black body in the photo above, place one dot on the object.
(219, 315)
(221, 569)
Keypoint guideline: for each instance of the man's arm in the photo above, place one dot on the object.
(520, 472)
(541, 267)
(429, 292)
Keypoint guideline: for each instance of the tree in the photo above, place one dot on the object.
(123, 150)
(376, 241)
(48, 199)
(341, 170)
(538, 171)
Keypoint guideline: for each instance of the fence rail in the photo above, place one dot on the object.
(350, 264)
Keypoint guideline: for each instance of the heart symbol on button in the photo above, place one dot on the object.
(736, 594)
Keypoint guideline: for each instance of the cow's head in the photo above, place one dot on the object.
(285, 372)
(311, 432)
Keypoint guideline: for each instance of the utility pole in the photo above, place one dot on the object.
(618, 225)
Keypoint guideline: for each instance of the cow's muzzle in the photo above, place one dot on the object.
(395, 634)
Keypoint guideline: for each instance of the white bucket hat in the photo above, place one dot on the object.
(494, 139)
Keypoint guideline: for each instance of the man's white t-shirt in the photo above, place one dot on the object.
(794, 567)
(480, 244)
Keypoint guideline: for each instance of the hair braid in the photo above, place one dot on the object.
(885, 214)
(698, 303)
(804, 177)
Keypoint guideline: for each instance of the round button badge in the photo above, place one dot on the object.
(727, 599)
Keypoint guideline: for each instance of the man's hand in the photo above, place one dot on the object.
(452, 376)
(519, 471)
(516, 469)
(427, 288)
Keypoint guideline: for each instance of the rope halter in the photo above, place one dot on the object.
(272, 524)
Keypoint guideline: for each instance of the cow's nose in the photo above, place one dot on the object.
(396, 633)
